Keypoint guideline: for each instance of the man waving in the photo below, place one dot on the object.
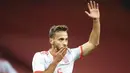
(59, 58)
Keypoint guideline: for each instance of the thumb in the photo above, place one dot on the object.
(87, 13)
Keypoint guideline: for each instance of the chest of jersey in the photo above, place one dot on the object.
(64, 66)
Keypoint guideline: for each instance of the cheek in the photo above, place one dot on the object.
(57, 43)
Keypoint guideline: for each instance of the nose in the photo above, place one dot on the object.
(65, 43)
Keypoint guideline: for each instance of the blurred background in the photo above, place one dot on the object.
(24, 26)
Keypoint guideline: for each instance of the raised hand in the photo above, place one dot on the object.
(93, 9)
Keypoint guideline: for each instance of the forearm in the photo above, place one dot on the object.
(51, 68)
(95, 34)
(93, 39)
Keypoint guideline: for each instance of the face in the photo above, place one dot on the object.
(60, 40)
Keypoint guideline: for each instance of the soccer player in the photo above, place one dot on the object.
(59, 58)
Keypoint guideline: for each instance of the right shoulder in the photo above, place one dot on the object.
(39, 57)
(41, 54)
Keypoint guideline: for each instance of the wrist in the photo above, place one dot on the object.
(55, 63)
(96, 19)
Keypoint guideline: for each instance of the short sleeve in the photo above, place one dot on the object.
(76, 52)
(38, 62)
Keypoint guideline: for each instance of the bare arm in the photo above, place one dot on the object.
(95, 33)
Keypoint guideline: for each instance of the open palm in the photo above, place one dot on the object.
(93, 9)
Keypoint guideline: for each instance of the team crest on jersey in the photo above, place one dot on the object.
(66, 60)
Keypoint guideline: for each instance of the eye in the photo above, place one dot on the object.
(61, 39)
(66, 39)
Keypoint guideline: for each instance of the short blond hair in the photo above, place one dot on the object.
(57, 28)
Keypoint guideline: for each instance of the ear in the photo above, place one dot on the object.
(51, 40)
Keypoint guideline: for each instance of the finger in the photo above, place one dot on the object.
(87, 13)
(60, 50)
(97, 6)
(89, 7)
(94, 4)
(63, 52)
(65, 49)
(91, 4)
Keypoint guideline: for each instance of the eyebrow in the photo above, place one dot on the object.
(63, 38)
